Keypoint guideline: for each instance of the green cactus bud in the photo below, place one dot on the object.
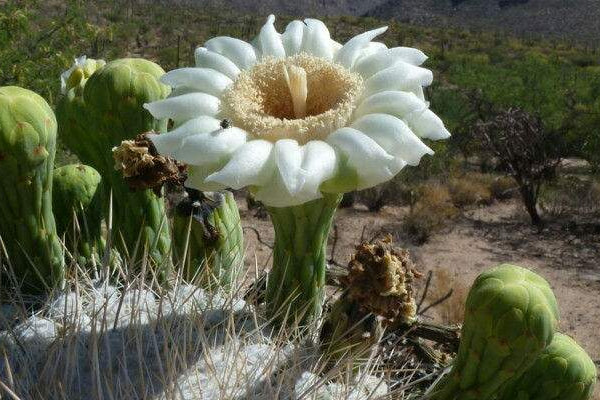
(510, 317)
(215, 249)
(77, 198)
(563, 371)
(27, 227)
(99, 117)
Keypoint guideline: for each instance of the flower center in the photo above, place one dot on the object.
(300, 97)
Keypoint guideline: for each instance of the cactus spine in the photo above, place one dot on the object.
(77, 205)
(27, 227)
(510, 318)
(97, 114)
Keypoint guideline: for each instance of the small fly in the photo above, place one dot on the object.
(225, 123)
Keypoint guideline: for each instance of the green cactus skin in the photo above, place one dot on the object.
(27, 227)
(218, 259)
(77, 194)
(563, 371)
(295, 289)
(94, 119)
(510, 317)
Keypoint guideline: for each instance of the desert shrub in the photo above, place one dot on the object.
(503, 187)
(470, 189)
(430, 213)
(397, 191)
(569, 195)
(525, 148)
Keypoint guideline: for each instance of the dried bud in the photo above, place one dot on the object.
(142, 166)
(380, 281)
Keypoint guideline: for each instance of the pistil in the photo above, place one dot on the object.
(295, 77)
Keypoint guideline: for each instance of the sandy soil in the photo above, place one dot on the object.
(565, 254)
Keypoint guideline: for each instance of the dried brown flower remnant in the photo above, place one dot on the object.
(144, 168)
(380, 281)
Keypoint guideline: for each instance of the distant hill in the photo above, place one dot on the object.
(568, 19)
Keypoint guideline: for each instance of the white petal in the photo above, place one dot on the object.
(336, 46)
(205, 80)
(394, 136)
(348, 54)
(371, 163)
(288, 159)
(320, 164)
(269, 40)
(402, 76)
(184, 107)
(167, 143)
(210, 148)
(209, 59)
(251, 164)
(370, 65)
(369, 50)
(428, 125)
(241, 53)
(292, 37)
(197, 177)
(396, 103)
(316, 40)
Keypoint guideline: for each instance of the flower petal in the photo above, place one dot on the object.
(210, 59)
(370, 65)
(394, 136)
(428, 125)
(211, 147)
(269, 40)
(184, 107)
(167, 143)
(370, 49)
(241, 53)
(367, 159)
(197, 177)
(292, 37)
(288, 159)
(402, 76)
(251, 164)
(316, 40)
(319, 164)
(396, 103)
(348, 54)
(205, 80)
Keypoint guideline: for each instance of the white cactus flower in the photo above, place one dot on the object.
(295, 114)
(81, 69)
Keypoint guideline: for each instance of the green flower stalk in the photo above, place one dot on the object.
(214, 253)
(98, 113)
(298, 119)
(564, 371)
(510, 317)
(77, 206)
(27, 226)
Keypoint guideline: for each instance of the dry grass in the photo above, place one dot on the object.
(470, 189)
(451, 311)
(431, 212)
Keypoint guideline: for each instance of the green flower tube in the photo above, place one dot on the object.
(215, 246)
(27, 226)
(564, 371)
(510, 317)
(77, 202)
(97, 114)
(298, 119)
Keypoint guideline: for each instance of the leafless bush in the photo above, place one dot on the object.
(527, 150)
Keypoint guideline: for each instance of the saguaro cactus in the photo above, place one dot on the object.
(27, 227)
(77, 198)
(215, 250)
(563, 371)
(510, 318)
(99, 113)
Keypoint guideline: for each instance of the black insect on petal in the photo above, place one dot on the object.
(225, 123)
